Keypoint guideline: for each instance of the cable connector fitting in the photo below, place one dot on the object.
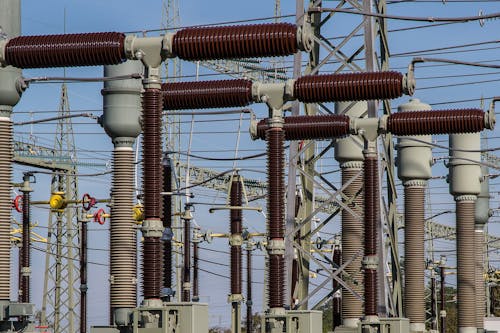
(370, 262)
(235, 298)
(236, 240)
(152, 228)
(276, 246)
(3, 44)
(305, 37)
(489, 117)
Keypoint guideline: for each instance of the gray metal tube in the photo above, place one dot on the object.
(466, 267)
(414, 300)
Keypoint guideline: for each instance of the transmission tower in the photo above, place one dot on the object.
(61, 297)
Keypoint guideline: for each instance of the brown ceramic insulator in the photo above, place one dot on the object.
(236, 270)
(436, 122)
(83, 278)
(151, 267)
(414, 198)
(186, 269)
(89, 49)
(371, 204)
(152, 153)
(348, 87)
(196, 285)
(371, 218)
(249, 292)
(479, 245)
(25, 253)
(206, 94)
(236, 201)
(370, 277)
(336, 301)
(322, 127)
(167, 223)
(465, 264)
(276, 183)
(244, 41)
(276, 286)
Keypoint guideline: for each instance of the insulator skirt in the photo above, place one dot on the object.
(123, 232)
(5, 206)
(352, 241)
(348, 87)
(414, 198)
(436, 122)
(370, 277)
(151, 267)
(276, 187)
(236, 264)
(244, 41)
(322, 127)
(152, 153)
(167, 223)
(207, 94)
(236, 201)
(465, 264)
(89, 49)
(479, 245)
(25, 253)
(276, 287)
(371, 218)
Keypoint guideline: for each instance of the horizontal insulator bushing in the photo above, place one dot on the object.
(244, 41)
(348, 87)
(207, 94)
(89, 49)
(322, 127)
(436, 122)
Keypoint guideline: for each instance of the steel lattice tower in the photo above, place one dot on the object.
(61, 296)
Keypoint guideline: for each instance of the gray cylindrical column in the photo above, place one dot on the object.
(464, 179)
(414, 169)
(349, 153)
(482, 214)
(122, 107)
(10, 93)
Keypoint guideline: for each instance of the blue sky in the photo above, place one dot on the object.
(47, 17)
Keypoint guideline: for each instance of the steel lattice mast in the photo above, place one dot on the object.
(61, 297)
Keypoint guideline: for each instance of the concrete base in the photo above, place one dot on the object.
(467, 330)
(293, 321)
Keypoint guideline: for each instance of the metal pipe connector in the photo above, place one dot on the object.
(276, 246)
(152, 228)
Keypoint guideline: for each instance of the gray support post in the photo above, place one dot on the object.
(464, 179)
(121, 121)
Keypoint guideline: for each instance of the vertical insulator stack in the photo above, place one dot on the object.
(244, 41)
(89, 49)
(465, 261)
(151, 267)
(480, 283)
(249, 291)
(167, 224)
(5, 205)
(206, 94)
(186, 274)
(275, 211)
(152, 104)
(25, 254)
(320, 127)
(236, 229)
(83, 278)
(352, 241)
(436, 122)
(414, 198)
(348, 87)
(151, 151)
(371, 181)
(337, 301)
(196, 284)
(123, 233)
